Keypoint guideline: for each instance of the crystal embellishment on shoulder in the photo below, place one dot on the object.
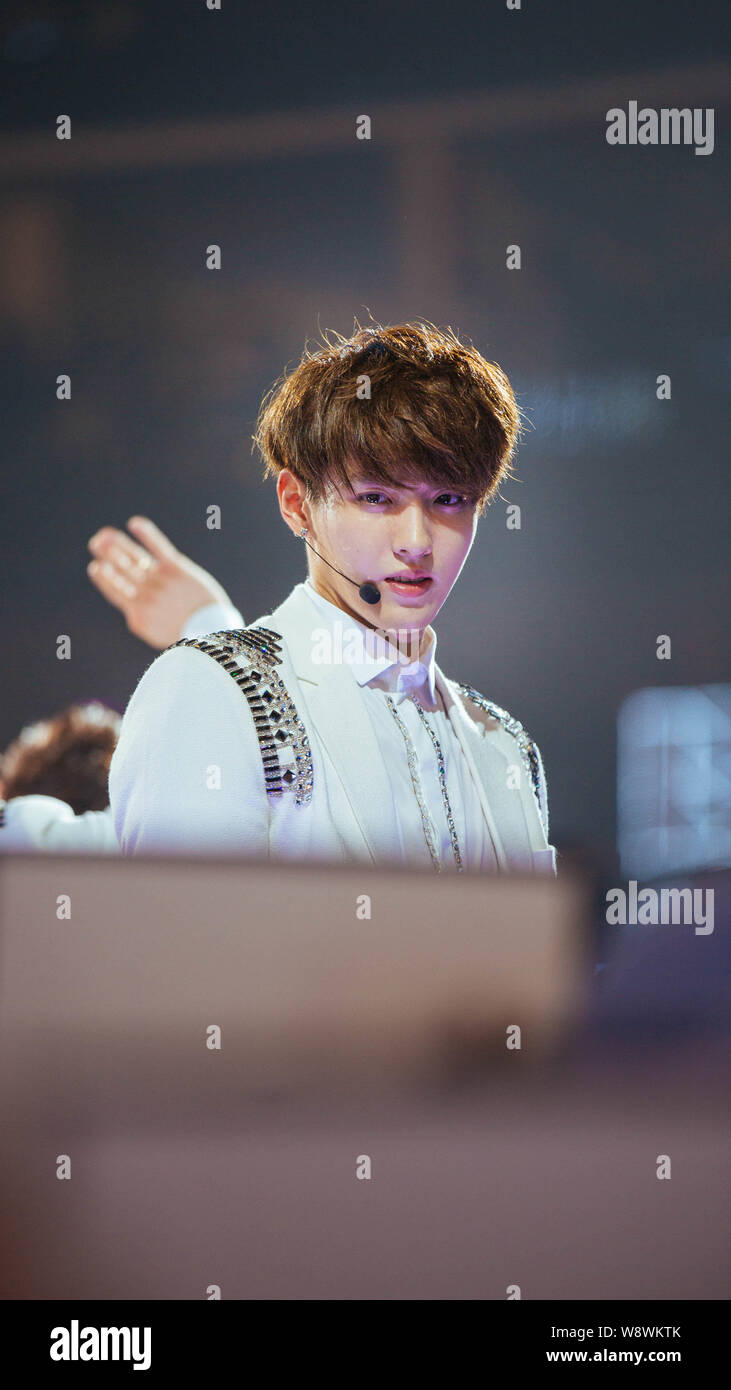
(528, 750)
(251, 656)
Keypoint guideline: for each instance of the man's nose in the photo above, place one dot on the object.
(412, 531)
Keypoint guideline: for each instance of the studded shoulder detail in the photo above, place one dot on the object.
(251, 655)
(528, 749)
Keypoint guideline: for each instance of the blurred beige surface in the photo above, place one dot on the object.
(340, 1038)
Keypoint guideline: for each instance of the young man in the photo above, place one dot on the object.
(325, 729)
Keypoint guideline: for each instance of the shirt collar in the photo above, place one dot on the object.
(374, 660)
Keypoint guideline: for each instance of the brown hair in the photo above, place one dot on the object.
(437, 412)
(67, 756)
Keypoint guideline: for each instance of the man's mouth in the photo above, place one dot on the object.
(407, 584)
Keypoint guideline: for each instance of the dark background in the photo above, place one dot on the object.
(238, 127)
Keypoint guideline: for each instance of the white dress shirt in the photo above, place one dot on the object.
(380, 675)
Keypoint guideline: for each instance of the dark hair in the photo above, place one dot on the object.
(437, 411)
(67, 756)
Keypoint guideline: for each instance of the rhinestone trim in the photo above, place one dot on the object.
(528, 749)
(250, 656)
(426, 820)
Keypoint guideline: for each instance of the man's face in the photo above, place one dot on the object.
(379, 532)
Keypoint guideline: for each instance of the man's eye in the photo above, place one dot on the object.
(458, 499)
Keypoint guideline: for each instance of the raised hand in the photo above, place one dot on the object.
(155, 586)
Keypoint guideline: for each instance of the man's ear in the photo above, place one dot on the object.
(291, 498)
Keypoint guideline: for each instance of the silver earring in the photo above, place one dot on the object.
(303, 532)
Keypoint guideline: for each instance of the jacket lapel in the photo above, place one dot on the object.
(472, 745)
(520, 841)
(341, 722)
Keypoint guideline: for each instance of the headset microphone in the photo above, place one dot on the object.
(369, 592)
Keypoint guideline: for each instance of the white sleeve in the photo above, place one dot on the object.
(212, 617)
(187, 774)
(46, 824)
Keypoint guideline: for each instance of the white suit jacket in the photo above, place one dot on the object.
(39, 824)
(188, 772)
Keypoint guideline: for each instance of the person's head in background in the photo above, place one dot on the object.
(66, 756)
(388, 446)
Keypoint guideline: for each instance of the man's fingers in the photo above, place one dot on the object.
(110, 544)
(111, 584)
(153, 538)
(133, 566)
